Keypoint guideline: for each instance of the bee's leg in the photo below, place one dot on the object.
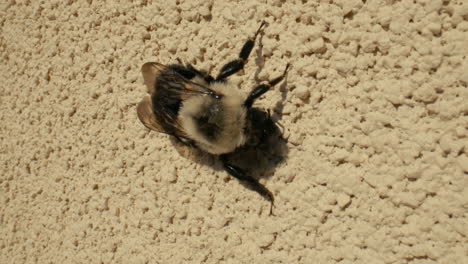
(241, 175)
(204, 74)
(263, 88)
(235, 66)
(189, 72)
(181, 69)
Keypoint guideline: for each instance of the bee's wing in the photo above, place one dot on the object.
(151, 70)
(174, 80)
(146, 116)
(172, 86)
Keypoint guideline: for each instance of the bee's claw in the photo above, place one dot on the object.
(286, 69)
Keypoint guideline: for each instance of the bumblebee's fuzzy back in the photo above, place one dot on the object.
(216, 125)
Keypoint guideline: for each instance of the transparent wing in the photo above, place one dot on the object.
(172, 80)
(168, 88)
(150, 71)
(146, 115)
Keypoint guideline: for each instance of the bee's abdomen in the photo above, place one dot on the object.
(210, 122)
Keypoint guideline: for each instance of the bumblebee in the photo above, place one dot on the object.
(208, 113)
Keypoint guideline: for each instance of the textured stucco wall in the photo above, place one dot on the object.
(375, 110)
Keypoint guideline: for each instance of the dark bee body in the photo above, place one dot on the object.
(167, 101)
(170, 90)
(205, 112)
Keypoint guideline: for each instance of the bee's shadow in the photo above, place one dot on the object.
(260, 62)
(258, 162)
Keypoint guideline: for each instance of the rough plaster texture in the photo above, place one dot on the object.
(375, 110)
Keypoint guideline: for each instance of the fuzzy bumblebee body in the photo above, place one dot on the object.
(210, 116)
(216, 125)
(205, 112)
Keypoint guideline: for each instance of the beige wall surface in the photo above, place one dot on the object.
(374, 111)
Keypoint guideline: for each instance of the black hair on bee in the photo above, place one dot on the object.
(208, 113)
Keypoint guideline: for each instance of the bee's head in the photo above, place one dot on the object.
(258, 127)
